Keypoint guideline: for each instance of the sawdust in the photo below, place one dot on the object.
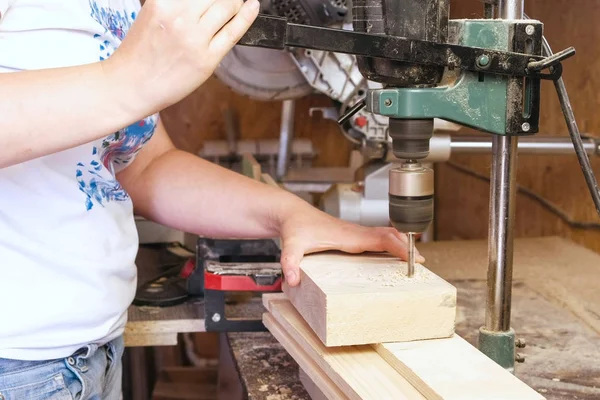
(398, 276)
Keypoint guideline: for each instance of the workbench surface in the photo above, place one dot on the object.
(558, 319)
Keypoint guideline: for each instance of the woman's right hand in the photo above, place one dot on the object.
(175, 45)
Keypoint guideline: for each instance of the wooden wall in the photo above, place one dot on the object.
(200, 117)
(462, 201)
(557, 178)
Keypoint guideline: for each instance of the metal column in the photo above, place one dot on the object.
(286, 137)
(496, 338)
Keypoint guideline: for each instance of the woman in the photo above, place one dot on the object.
(81, 145)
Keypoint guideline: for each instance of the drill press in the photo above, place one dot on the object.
(480, 73)
(411, 186)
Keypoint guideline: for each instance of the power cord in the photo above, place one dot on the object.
(547, 204)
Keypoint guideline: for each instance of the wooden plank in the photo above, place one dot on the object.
(159, 326)
(268, 179)
(362, 299)
(539, 262)
(452, 369)
(150, 339)
(358, 371)
(250, 167)
(311, 387)
(269, 298)
(326, 385)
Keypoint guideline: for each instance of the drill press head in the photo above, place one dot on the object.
(411, 184)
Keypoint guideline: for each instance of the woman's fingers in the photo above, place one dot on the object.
(231, 33)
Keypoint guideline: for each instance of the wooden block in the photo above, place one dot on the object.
(311, 387)
(250, 167)
(268, 179)
(358, 371)
(326, 385)
(269, 298)
(452, 369)
(363, 299)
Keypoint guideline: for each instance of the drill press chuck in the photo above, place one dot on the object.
(411, 197)
(410, 137)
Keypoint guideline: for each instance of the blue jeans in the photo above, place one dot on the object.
(91, 373)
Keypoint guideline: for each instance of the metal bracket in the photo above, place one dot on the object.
(277, 33)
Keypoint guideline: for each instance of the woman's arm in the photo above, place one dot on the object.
(171, 49)
(182, 191)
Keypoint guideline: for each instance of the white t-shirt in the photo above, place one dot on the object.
(68, 239)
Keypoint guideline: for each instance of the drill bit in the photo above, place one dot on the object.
(411, 255)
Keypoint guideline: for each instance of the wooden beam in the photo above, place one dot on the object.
(363, 299)
(250, 167)
(311, 387)
(449, 369)
(358, 371)
(452, 369)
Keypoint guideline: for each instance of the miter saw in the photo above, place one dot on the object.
(418, 65)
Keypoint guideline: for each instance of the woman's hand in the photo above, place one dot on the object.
(308, 230)
(175, 45)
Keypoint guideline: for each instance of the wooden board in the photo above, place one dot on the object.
(449, 369)
(468, 260)
(358, 371)
(312, 388)
(159, 326)
(250, 167)
(452, 369)
(367, 298)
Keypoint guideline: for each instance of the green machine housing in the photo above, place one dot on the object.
(491, 103)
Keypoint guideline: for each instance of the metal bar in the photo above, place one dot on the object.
(502, 213)
(526, 145)
(411, 255)
(500, 245)
(510, 9)
(584, 161)
(286, 134)
(277, 33)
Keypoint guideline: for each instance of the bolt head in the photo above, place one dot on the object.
(520, 343)
(388, 102)
(529, 29)
(525, 127)
(483, 60)
(216, 317)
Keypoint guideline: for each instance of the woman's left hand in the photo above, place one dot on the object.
(310, 230)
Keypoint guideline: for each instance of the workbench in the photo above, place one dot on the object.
(555, 310)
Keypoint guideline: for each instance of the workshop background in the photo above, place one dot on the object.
(461, 199)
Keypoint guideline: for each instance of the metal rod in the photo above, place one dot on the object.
(500, 245)
(502, 213)
(286, 135)
(584, 161)
(411, 255)
(489, 10)
(510, 9)
(527, 145)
